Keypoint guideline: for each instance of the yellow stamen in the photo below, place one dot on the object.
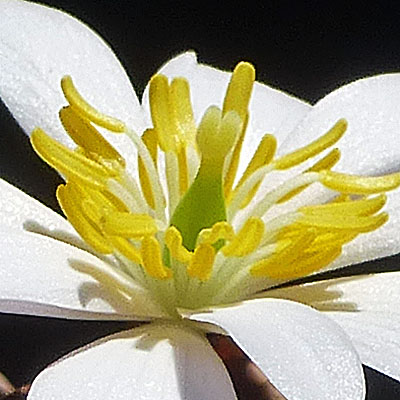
(173, 240)
(239, 90)
(347, 222)
(359, 184)
(233, 165)
(160, 106)
(331, 238)
(182, 108)
(126, 248)
(286, 253)
(237, 99)
(113, 200)
(104, 200)
(183, 171)
(86, 136)
(263, 156)
(70, 201)
(201, 264)
(363, 207)
(86, 110)
(326, 162)
(171, 113)
(149, 138)
(220, 231)
(129, 225)
(152, 260)
(247, 239)
(304, 266)
(314, 148)
(70, 163)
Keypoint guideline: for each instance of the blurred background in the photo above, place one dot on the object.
(306, 48)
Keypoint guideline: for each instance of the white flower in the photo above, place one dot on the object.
(127, 271)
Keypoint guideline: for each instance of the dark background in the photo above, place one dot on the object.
(307, 48)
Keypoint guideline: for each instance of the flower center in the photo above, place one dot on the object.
(200, 237)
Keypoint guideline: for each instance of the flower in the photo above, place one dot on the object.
(187, 242)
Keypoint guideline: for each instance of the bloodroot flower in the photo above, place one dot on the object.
(190, 211)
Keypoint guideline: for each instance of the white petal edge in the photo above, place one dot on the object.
(366, 307)
(41, 276)
(371, 144)
(38, 46)
(151, 362)
(271, 110)
(303, 353)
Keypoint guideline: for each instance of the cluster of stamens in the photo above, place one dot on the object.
(179, 239)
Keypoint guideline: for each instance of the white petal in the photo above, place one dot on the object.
(304, 354)
(367, 309)
(39, 276)
(371, 144)
(271, 111)
(38, 46)
(152, 362)
(374, 328)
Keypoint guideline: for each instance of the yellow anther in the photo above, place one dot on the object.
(323, 236)
(171, 112)
(182, 109)
(102, 201)
(161, 113)
(70, 201)
(96, 204)
(314, 261)
(314, 148)
(152, 260)
(331, 238)
(86, 136)
(173, 240)
(234, 161)
(125, 248)
(92, 211)
(86, 110)
(219, 231)
(326, 162)
(280, 264)
(247, 239)
(263, 156)
(346, 222)
(237, 99)
(359, 184)
(183, 171)
(69, 163)
(305, 265)
(363, 207)
(239, 90)
(202, 262)
(129, 225)
(149, 138)
(114, 201)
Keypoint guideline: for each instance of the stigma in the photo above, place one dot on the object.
(189, 228)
